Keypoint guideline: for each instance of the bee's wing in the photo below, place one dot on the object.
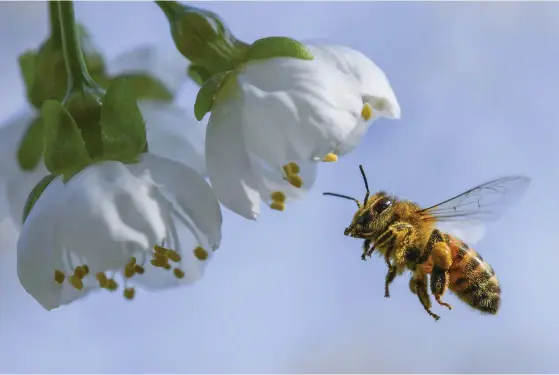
(465, 214)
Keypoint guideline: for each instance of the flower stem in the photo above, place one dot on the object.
(73, 57)
(55, 32)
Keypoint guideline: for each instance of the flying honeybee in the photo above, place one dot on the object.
(429, 241)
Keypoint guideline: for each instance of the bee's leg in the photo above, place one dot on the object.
(418, 286)
(367, 250)
(395, 236)
(442, 260)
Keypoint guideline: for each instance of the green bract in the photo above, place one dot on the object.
(277, 46)
(30, 148)
(207, 93)
(65, 152)
(198, 74)
(36, 193)
(122, 125)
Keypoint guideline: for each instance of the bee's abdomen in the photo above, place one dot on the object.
(473, 280)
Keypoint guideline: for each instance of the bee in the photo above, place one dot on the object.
(430, 241)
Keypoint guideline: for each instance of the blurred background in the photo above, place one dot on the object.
(477, 83)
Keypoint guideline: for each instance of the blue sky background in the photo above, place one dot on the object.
(477, 83)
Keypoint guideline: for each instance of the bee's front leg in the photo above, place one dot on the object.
(367, 249)
(397, 235)
(442, 260)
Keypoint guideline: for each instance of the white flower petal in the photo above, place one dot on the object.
(101, 217)
(191, 193)
(174, 134)
(227, 162)
(39, 254)
(159, 61)
(374, 86)
(297, 110)
(354, 138)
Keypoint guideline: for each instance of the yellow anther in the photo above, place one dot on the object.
(367, 112)
(200, 253)
(158, 263)
(159, 257)
(278, 196)
(291, 168)
(111, 285)
(76, 282)
(132, 261)
(129, 293)
(59, 276)
(139, 269)
(294, 168)
(330, 158)
(179, 274)
(79, 272)
(173, 255)
(101, 279)
(159, 250)
(129, 271)
(279, 206)
(85, 269)
(167, 266)
(295, 180)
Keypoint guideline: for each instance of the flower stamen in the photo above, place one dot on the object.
(200, 253)
(278, 206)
(59, 277)
(179, 274)
(101, 279)
(367, 112)
(295, 180)
(76, 282)
(330, 158)
(129, 293)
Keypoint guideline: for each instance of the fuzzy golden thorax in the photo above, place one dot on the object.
(381, 210)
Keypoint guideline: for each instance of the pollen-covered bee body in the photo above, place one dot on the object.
(472, 279)
(408, 236)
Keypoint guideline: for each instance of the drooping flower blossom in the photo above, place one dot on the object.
(274, 119)
(114, 226)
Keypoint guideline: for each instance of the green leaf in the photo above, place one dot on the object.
(65, 152)
(207, 93)
(198, 74)
(31, 145)
(277, 46)
(36, 194)
(142, 86)
(122, 125)
(27, 68)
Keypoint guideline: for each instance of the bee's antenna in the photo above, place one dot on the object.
(366, 184)
(345, 197)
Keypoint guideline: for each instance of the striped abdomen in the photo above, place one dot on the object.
(472, 279)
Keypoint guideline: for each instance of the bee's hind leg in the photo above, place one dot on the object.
(442, 259)
(418, 286)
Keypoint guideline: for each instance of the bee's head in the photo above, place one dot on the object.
(371, 214)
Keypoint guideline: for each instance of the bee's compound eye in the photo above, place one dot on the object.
(382, 205)
(364, 219)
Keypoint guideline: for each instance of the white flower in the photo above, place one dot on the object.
(284, 112)
(165, 122)
(154, 223)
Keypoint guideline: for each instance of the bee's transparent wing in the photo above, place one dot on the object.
(465, 214)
